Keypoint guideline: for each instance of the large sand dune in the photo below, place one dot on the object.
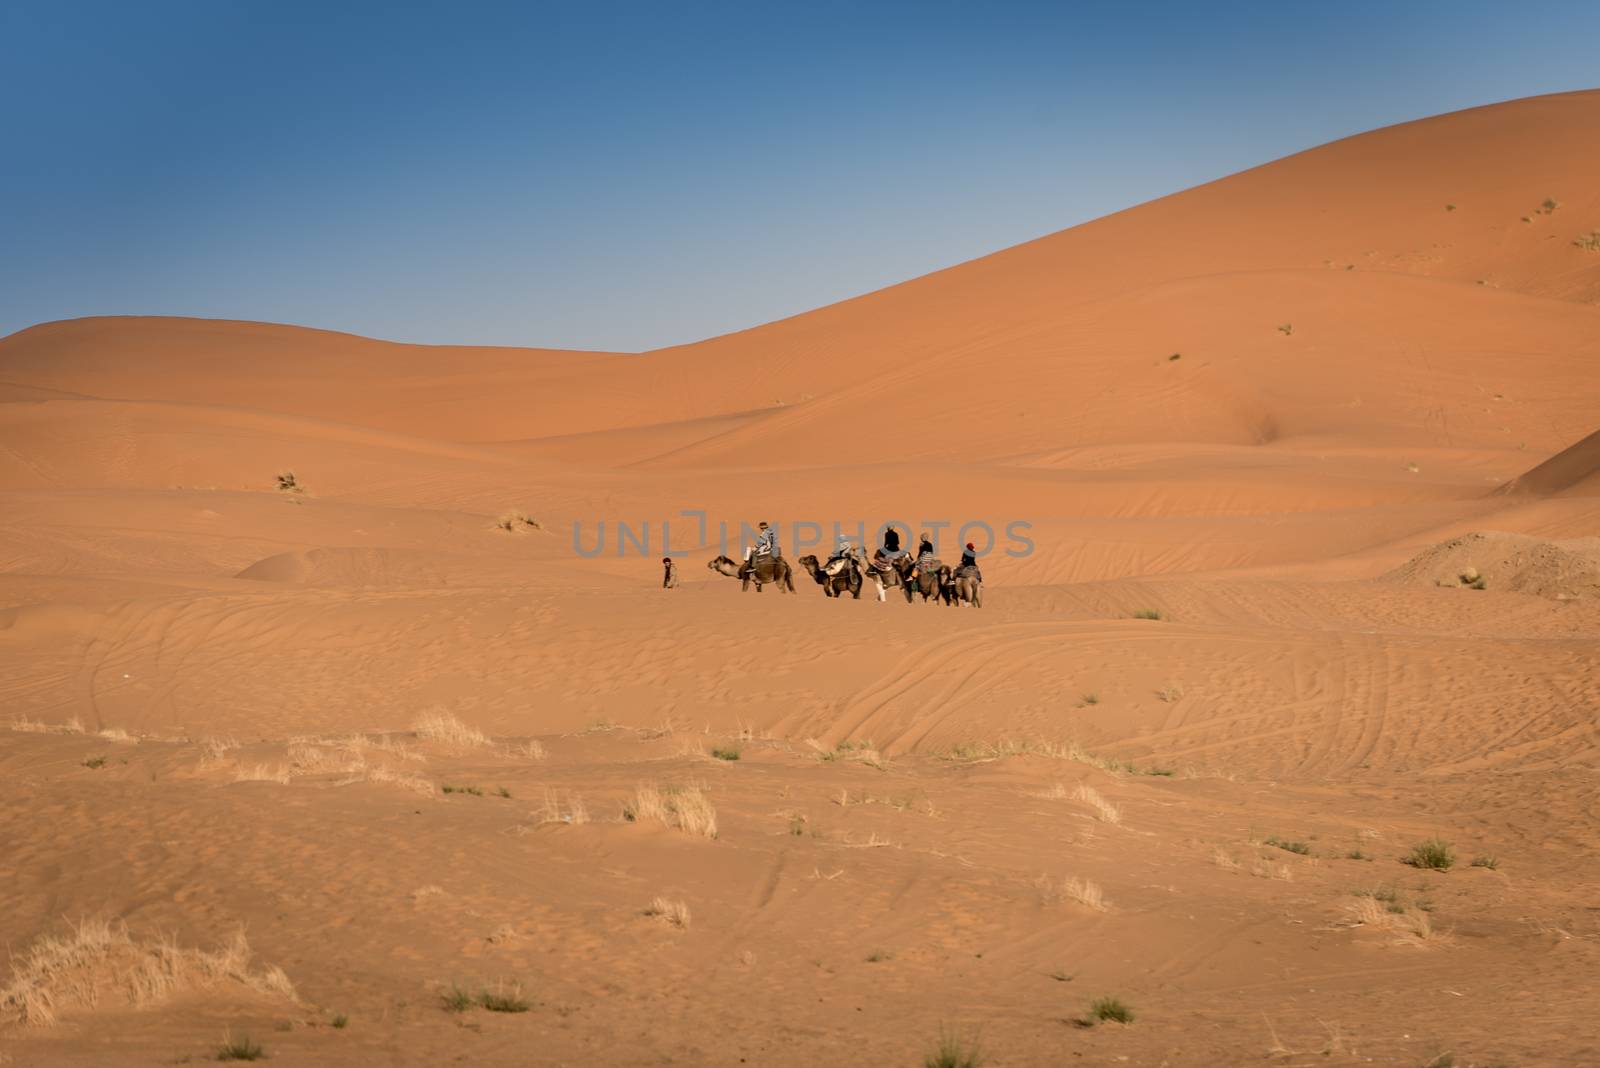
(1274, 410)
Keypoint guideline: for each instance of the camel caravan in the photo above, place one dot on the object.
(849, 570)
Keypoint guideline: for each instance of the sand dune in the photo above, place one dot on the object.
(1179, 757)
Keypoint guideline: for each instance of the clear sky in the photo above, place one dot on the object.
(627, 176)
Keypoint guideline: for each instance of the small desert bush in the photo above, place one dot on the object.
(1549, 206)
(954, 1051)
(215, 749)
(1435, 854)
(340, 1022)
(1082, 891)
(1090, 698)
(1489, 861)
(558, 810)
(856, 751)
(33, 726)
(684, 807)
(1589, 241)
(383, 773)
(1266, 869)
(725, 753)
(1103, 809)
(1170, 693)
(514, 521)
(440, 726)
(473, 790)
(502, 1000)
(1287, 846)
(1411, 925)
(278, 773)
(239, 1049)
(95, 763)
(1147, 613)
(457, 999)
(97, 961)
(673, 913)
(1109, 1008)
(1286, 329)
(1175, 356)
(288, 483)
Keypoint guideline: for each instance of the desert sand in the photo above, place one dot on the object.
(1332, 421)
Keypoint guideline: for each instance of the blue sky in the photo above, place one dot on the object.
(627, 176)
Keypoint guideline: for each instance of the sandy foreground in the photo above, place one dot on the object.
(433, 769)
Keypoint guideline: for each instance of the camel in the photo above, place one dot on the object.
(928, 583)
(846, 581)
(904, 574)
(962, 587)
(774, 569)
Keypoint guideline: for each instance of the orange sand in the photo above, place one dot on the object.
(1362, 374)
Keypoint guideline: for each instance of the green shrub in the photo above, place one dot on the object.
(1101, 1009)
(1434, 854)
(954, 1051)
(456, 999)
(240, 1049)
(500, 1001)
(1289, 847)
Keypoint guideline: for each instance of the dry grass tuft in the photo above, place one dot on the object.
(684, 807)
(1082, 891)
(440, 726)
(557, 809)
(1223, 859)
(311, 758)
(278, 773)
(1104, 810)
(1266, 869)
(981, 752)
(97, 962)
(855, 752)
(34, 726)
(674, 913)
(215, 750)
(1409, 925)
(118, 735)
(1171, 693)
(391, 776)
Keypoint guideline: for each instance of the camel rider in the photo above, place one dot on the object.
(766, 545)
(840, 558)
(970, 559)
(925, 560)
(884, 558)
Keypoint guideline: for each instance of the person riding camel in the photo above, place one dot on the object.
(925, 558)
(766, 545)
(884, 557)
(970, 559)
(840, 559)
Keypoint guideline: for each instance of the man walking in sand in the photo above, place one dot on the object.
(669, 573)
